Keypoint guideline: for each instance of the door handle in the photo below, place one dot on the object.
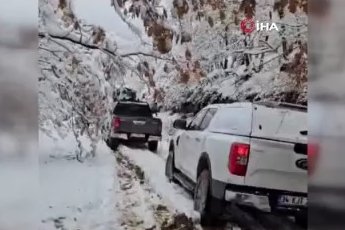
(197, 139)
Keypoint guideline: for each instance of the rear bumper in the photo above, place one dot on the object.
(126, 136)
(154, 138)
(119, 135)
(260, 202)
(262, 199)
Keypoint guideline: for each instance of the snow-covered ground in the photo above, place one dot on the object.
(126, 189)
(154, 168)
(19, 186)
(73, 194)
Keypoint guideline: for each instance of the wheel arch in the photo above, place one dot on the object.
(203, 163)
(216, 189)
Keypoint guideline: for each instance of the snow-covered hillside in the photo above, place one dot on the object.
(211, 60)
(80, 68)
(192, 53)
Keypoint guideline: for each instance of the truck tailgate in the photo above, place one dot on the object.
(140, 125)
(278, 150)
(277, 165)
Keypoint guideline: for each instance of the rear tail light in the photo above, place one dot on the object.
(116, 123)
(313, 153)
(238, 159)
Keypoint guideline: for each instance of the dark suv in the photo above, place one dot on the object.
(134, 121)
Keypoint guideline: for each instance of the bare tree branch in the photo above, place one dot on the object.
(50, 51)
(66, 38)
(129, 24)
(95, 47)
(145, 54)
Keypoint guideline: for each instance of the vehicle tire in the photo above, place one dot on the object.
(153, 145)
(202, 198)
(170, 167)
(113, 143)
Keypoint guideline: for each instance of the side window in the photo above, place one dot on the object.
(207, 119)
(234, 120)
(195, 124)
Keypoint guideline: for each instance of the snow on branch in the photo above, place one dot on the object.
(78, 42)
(145, 54)
(117, 9)
(96, 47)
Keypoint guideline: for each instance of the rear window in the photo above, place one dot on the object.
(279, 123)
(232, 120)
(123, 109)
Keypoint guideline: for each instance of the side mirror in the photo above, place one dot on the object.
(180, 124)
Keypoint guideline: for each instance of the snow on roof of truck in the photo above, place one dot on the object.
(283, 105)
(221, 105)
(271, 104)
(134, 102)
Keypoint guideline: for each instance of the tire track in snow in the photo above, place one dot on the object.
(141, 208)
(154, 166)
(135, 212)
(174, 211)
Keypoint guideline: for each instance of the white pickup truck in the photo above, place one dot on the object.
(250, 153)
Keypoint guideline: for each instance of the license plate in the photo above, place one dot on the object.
(138, 135)
(287, 200)
(139, 122)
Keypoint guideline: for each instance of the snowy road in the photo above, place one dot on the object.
(175, 205)
(75, 195)
(142, 207)
(150, 170)
(126, 189)
(122, 190)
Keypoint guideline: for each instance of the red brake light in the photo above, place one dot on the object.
(238, 159)
(313, 152)
(116, 123)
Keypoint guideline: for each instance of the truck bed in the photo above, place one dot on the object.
(135, 119)
(139, 125)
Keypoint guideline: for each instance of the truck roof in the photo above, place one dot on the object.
(273, 120)
(133, 102)
(271, 104)
(131, 108)
(285, 105)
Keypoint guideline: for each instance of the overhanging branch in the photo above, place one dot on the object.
(145, 54)
(78, 42)
(95, 47)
